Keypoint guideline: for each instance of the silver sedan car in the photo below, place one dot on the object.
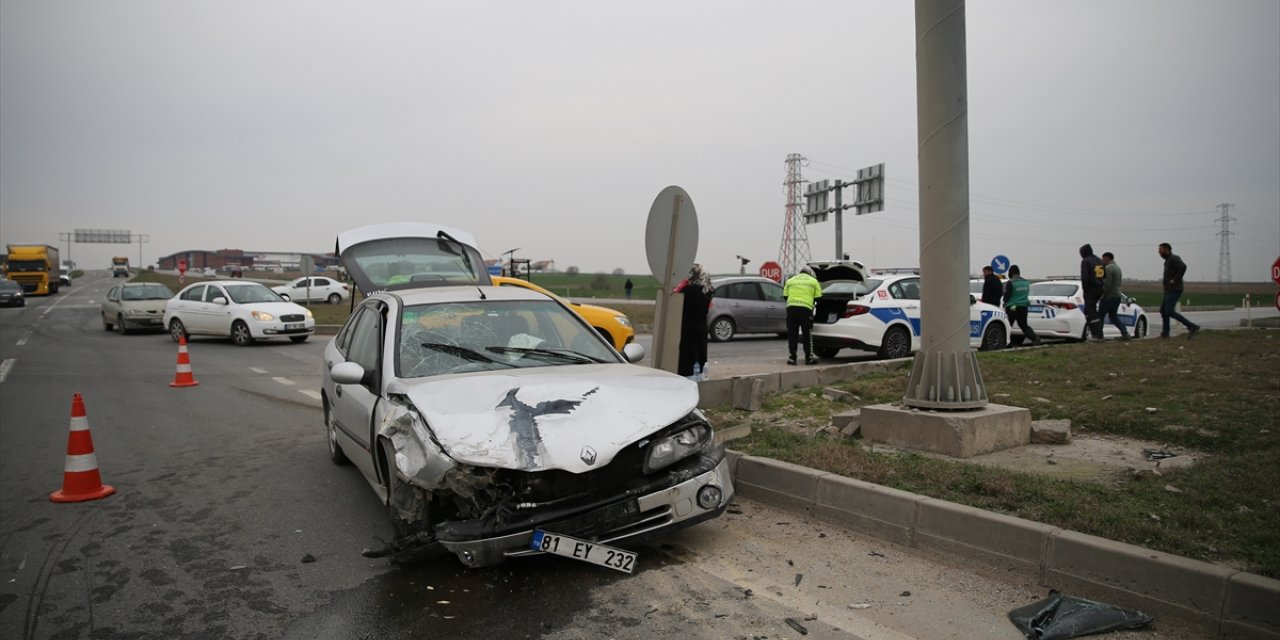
(135, 305)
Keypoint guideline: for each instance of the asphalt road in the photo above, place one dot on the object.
(225, 492)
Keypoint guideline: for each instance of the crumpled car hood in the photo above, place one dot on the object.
(575, 418)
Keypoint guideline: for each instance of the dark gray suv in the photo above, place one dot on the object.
(746, 304)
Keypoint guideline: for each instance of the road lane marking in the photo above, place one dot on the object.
(310, 393)
(258, 370)
(23, 339)
(7, 365)
(284, 381)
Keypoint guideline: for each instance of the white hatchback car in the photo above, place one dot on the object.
(882, 314)
(1057, 311)
(242, 310)
(317, 287)
(494, 422)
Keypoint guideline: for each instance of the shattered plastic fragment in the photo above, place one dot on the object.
(791, 622)
(1059, 617)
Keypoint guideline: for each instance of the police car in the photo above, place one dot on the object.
(1057, 311)
(882, 314)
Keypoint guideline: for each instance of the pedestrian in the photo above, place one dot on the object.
(991, 287)
(1017, 298)
(801, 291)
(692, 362)
(1091, 282)
(1111, 296)
(1174, 270)
(628, 287)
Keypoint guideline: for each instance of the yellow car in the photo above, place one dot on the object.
(612, 324)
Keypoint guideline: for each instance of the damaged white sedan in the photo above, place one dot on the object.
(491, 420)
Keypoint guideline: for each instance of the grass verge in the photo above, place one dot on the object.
(1218, 394)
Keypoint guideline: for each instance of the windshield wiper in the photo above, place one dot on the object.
(558, 354)
(461, 352)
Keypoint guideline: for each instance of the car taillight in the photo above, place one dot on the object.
(854, 310)
(1062, 305)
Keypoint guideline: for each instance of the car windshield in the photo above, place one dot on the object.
(147, 291)
(1055, 289)
(460, 337)
(849, 288)
(247, 293)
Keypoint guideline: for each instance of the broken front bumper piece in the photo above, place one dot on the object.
(670, 501)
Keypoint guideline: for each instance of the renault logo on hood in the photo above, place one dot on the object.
(588, 455)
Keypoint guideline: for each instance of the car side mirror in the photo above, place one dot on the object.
(347, 373)
(633, 352)
(219, 300)
(972, 300)
(286, 297)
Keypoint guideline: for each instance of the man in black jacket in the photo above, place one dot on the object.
(1174, 270)
(1091, 281)
(992, 288)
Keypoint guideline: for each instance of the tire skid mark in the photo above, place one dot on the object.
(40, 588)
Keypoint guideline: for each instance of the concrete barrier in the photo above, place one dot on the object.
(1233, 604)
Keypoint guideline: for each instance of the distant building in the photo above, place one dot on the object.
(276, 261)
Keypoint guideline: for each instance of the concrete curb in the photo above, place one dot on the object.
(1233, 603)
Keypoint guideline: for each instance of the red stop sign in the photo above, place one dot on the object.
(1275, 271)
(182, 265)
(772, 271)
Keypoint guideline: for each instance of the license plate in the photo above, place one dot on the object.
(294, 327)
(593, 552)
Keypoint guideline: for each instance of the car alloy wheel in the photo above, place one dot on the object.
(993, 338)
(240, 334)
(722, 329)
(1140, 329)
(177, 331)
(896, 343)
(334, 298)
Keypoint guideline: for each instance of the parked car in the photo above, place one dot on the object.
(882, 314)
(491, 420)
(1057, 311)
(612, 324)
(135, 305)
(242, 310)
(746, 304)
(11, 294)
(320, 288)
(64, 278)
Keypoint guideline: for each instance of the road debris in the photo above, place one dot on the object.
(905, 594)
(308, 558)
(1059, 617)
(860, 605)
(876, 554)
(799, 577)
(791, 622)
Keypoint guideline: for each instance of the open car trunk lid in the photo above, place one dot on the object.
(410, 255)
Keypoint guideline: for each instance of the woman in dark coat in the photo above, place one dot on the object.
(693, 321)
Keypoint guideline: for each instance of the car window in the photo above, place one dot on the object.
(905, 289)
(772, 292)
(365, 339)
(194, 293)
(390, 262)
(457, 337)
(321, 282)
(343, 339)
(212, 292)
(252, 292)
(745, 291)
(1056, 289)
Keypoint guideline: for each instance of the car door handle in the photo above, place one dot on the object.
(338, 390)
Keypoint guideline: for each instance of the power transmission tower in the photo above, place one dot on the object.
(795, 239)
(1224, 247)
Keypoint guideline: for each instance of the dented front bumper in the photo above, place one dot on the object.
(671, 502)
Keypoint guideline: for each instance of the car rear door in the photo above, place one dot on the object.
(775, 308)
(353, 404)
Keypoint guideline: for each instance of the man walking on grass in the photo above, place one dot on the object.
(1174, 270)
(1111, 296)
(1091, 282)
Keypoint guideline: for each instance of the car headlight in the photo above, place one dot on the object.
(667, 451)
(134, 312)
(622, 320)
(262, 316)
(307, 311)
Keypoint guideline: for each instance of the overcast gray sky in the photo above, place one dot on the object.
(551, 126)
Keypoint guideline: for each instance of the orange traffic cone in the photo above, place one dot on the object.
(80, 478)
(184, 377)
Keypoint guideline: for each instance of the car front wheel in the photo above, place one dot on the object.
(120, 325)
(177, 331)
(826, 352)
(1140, 329)
(336, 454)
(994, 337)
(722, 329)
(240, 334)
(896, 343)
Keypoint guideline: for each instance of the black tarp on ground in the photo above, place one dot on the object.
(1058, 617)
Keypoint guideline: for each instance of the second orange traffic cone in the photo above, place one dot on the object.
(183, 377)
(81, 480)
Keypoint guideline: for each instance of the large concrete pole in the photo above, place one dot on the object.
(945, 374)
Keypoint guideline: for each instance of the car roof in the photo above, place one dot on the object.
(464, 293)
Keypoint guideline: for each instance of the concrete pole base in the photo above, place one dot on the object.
(945, 380)
(962, 434)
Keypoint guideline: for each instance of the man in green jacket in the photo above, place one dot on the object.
(1016, 300)
(801, 291)
(1111, 296)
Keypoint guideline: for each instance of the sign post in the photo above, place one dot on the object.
(670, 242)
(1275, 277)
(182, 271)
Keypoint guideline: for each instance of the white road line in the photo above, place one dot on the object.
(310, 393)
(7, 366)
(23, 339)
(284, 381)
(258, 370)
